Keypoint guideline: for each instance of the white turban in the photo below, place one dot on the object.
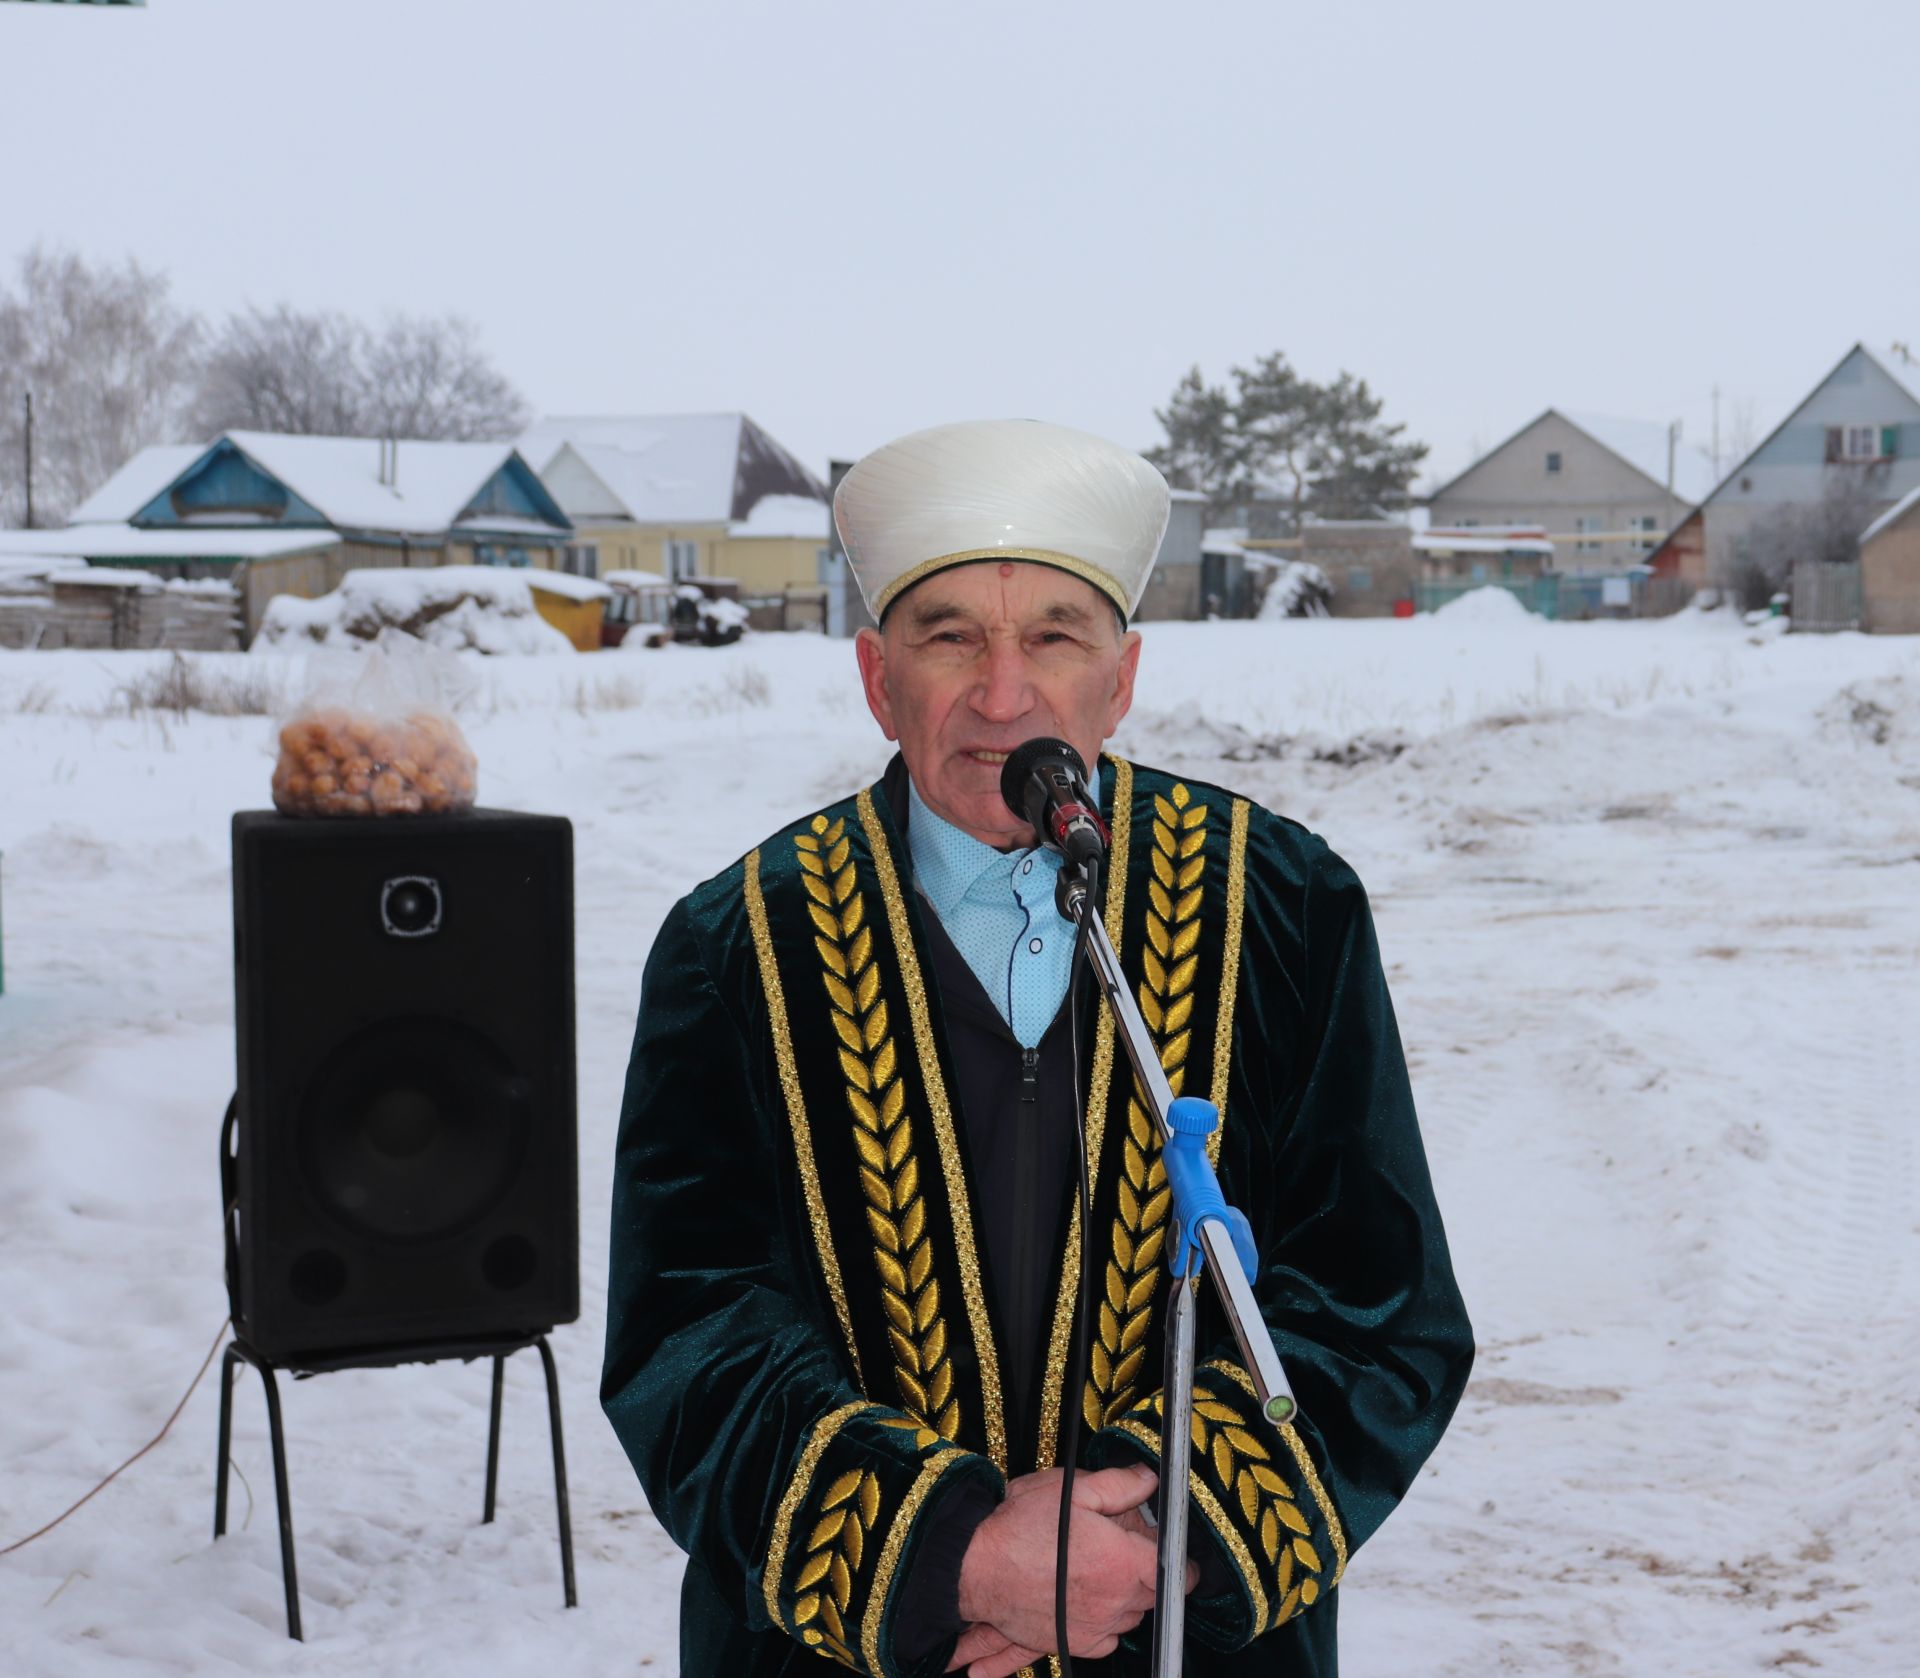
(1001, 490)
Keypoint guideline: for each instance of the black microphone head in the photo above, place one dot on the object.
(1020, 778)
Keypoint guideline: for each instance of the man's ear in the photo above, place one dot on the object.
(1122, 701)
(871, 651)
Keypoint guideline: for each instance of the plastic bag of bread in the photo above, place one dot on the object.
(374, 735)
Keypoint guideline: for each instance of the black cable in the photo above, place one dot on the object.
(1073, 1395)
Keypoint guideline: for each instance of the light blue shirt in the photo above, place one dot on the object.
(998, 908)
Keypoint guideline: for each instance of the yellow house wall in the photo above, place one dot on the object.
(762, 564)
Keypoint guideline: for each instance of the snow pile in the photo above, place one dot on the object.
(1490, 605)
(460, 608)
(1296, 590)
(1648, 900)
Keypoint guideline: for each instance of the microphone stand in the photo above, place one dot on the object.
(1207, 1234)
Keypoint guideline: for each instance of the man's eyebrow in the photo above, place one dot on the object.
(927, 613)
(1065, 611)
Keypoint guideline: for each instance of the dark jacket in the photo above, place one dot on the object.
(825, 1351)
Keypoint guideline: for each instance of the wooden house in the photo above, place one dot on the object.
(329, 504)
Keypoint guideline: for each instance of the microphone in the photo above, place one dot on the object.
(1045, 783)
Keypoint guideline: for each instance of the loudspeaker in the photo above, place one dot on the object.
(405, 1168)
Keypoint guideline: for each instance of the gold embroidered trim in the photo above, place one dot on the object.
(1170, 961)
(834, 1550)
(1297, 1446)
(882, 1131)
(1229, 971)
(1216, 1514)
(890, 1554)
(1097, 1089)
(968, 556)
(973, 1284)
(796, 1105)
(790, 1500)
(1244, 1467)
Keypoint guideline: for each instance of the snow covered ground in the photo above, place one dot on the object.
(1651, 896)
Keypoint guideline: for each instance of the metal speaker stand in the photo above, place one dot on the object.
(383, 1357)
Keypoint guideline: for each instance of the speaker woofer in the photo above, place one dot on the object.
(414, 1129)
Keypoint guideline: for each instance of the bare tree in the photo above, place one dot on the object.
(1823, 532)
(326, 374)
(109, 361)
(1739, 434)
(280, 370)
(430, 378)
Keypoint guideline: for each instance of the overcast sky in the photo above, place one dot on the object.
(854, 220)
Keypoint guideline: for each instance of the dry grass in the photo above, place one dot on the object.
(622, 693)
(36, 699)
(184, 685)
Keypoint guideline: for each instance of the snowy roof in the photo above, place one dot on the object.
(125, 541)
(784, 515)
(1892, 516)
(27, 568)
(136, 483)
(564, 582)
(502, 524)
(1223, 541)
(634, 579)
(340, 476)
(101, 576)
(1479, 542)
(676, 468)
(1643, 446)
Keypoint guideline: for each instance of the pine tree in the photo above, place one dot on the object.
(1275, 419)
(1360, 466)
(1199, 451)
(1285, 444)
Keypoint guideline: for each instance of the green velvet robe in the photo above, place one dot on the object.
(801, 1358)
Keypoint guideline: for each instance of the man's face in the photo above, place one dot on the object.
(982, 657)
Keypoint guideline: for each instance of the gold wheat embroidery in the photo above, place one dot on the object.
(834, 1551)
(1244, 1468)
(1166, 995)
(882, 1133)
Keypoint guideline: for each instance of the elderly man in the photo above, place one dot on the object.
(846, 1243)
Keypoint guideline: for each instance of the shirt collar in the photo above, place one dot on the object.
(947, 862)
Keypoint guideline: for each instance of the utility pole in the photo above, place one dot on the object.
(1716, 434)
(28, 446)
(1673, 444)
